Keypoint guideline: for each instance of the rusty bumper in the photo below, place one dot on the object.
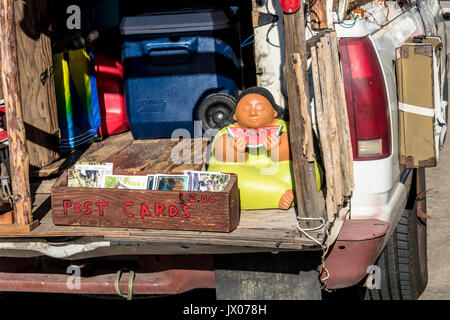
(153, 275)
(356, 248)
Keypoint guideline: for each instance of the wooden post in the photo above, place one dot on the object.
(19, 160)
(342, 111)
(309, 202)
(308, 145)
(319, 14)
(323, 129)
(331, 116)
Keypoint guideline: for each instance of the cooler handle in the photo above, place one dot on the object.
(190, 45)
(168, 52)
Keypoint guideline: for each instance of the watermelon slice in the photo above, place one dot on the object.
(254, 137)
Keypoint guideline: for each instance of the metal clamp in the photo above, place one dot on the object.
(47, 73)
(128, 296)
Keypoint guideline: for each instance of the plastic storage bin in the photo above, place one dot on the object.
(109, 73)
(172, 62)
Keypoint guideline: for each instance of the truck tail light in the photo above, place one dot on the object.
(367, 101)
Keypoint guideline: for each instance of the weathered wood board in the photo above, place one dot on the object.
(34, 57)
(310, 203)
(19, 159)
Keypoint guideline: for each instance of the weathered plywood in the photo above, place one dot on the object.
(258, 230)
(34, 55)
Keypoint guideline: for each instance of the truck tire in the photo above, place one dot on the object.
(216, 111)
(268, 276)
(403, 262)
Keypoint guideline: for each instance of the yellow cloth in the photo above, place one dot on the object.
(261, 180)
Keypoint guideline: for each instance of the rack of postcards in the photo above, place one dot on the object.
(91, 175)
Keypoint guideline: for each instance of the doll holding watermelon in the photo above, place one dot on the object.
(256, 148)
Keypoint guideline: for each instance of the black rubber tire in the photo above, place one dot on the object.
(216, 111)
(403, 262)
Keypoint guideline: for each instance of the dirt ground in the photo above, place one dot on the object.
(438, 207)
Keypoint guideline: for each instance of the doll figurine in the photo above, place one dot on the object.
(256, 149)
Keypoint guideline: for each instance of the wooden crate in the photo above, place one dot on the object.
(151, 209)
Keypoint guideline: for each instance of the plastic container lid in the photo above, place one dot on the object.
(174, 22)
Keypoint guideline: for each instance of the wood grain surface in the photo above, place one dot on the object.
(38, 99)
(310, 203)
(18, 154)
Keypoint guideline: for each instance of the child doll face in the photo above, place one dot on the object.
(254, 111)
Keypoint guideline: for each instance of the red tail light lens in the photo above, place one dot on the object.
(367, 102)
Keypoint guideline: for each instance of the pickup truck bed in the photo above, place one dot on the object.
(259, 230)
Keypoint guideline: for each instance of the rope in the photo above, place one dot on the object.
(325, 247)
(128, 296)
(347, 25)
(324, 269)
(304, 231)
(246, 43)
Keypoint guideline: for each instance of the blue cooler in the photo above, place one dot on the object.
(172, 62)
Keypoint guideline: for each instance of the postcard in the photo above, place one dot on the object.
(85, 178)
(125, 182)
(172, 182)
(151, 178)
(207, 181)
(89, 174)
(87, 165)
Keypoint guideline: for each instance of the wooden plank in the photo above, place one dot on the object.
(323, 130)
(318, 14)
(342, 111)
(341, 115)
(19, 159)
(119, 141)
(258, 230)
(330, 114)
(309, 202)
(186, 154)
(338, 116)
(18, 228)
(302, 83)
(7, 217)
(34, 55)
(112, 146)
(140, 154)
(42, 186)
